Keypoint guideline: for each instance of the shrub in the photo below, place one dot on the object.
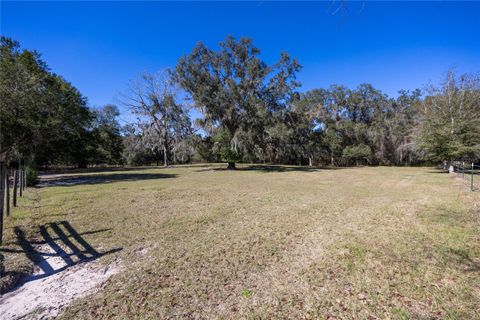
(32, 176)
(357, 153)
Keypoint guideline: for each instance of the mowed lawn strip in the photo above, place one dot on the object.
(272, 242)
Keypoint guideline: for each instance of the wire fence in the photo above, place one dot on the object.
(469, 172)
(12, 182)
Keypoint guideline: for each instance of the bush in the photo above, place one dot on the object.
(32, 176)
(357, 153)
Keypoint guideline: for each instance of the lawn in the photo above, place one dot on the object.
(268, 242)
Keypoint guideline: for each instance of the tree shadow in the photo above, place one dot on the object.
(196, 165)
(122, 169)
(467, 171)
(438, 171)
(97, 169)
(464, 259)
(274, 168)
(61, 247)
(75, 180)
(278, 168)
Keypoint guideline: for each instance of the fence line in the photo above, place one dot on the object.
(3, 174)
(19, 185)
(469, 172)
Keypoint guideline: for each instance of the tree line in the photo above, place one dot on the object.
(251, 112)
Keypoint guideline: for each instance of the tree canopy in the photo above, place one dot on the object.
(250, 112)
(236, 90)
(449, 128)
(43, 118)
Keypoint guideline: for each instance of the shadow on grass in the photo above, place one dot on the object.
(122, 169)
(466, 176)
(467, 171)
(61, 247)
(273, 168)
(98, 169)
(464, 259)
(437, 171)
(100, 178)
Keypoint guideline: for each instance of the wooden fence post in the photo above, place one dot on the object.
(2, 198)
(7, 187)
(15, 187)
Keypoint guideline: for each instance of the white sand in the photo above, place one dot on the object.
(44, 295)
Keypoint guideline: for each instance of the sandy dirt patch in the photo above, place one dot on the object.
(53, 285)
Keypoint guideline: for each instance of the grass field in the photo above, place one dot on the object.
(269, 242)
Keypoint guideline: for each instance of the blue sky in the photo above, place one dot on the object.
(100, 46)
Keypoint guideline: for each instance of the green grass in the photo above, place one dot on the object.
(271, 242)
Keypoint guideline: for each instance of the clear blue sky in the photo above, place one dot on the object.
(100, 46)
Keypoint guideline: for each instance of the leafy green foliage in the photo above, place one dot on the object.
(251, 113)
(357, 152)
(450, 119)
(46, 120)
(362, 124)
(106, 134)
(31, 175)
(236, 91)
(246, 293)
(41, 114)
(226, 147)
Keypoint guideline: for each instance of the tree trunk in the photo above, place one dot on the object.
(165, 142)
(231, 166)
(310, 161)
(165, 160)
(2, 197)
(20, 189)
(15, 187)
(7, 196)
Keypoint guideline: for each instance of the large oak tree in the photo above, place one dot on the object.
(234, 88)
